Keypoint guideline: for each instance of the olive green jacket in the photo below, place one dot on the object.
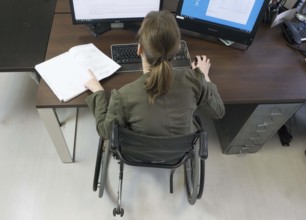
(171, 114)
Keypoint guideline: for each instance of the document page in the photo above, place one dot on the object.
(89, 56)
(237, 11)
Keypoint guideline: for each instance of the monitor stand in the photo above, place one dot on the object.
(100, 28)
(217, 40)
(226, 42)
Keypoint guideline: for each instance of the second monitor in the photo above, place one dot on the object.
(233, 20)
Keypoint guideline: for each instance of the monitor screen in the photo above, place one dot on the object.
(234, 20)
(97, 11)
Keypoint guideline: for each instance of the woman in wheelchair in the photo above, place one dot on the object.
(162, 102)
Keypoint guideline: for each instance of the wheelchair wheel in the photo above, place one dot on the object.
(202, 179)
(98, 164)
(103, 170)
(192, 169)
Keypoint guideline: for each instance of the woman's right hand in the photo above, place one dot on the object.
(93, 84)
(203, 63)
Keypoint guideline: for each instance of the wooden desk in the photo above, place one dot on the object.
(62, 6)
(267, 73)
(25, 28)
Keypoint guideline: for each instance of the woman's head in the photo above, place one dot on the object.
(159, 39)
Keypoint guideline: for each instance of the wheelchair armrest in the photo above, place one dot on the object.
(203, 151)
(114, 138)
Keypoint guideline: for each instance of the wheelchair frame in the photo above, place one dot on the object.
(193, 161)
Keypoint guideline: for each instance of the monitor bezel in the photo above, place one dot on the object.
(215, 30)
(104, 20)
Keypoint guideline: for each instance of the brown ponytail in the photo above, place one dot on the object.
(159, 37)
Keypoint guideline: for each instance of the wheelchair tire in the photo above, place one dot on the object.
(202, 179)
(98, 165)
(103, 170)
(192, 169)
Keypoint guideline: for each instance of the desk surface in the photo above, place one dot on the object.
(62, 6)
(268, 72)
(25, 28)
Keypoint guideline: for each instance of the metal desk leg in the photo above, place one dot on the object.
(49, 117)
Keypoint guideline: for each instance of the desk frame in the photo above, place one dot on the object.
(53, 125)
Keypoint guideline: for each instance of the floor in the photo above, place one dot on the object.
(36, 185)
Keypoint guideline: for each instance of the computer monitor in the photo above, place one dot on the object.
(102, 15)
(230, 20)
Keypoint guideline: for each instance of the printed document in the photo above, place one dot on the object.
(66, 74)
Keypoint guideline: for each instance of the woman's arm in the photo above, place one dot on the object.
(105, 113)
(210, 101)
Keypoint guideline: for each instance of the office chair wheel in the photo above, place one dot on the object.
(118, 211)
(103, 170)
(192, 169)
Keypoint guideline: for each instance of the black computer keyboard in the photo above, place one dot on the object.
(126, 56)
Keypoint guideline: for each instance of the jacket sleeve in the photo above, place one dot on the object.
(105, 113)
(210, 102)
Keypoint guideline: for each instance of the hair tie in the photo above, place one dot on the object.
(162, 58)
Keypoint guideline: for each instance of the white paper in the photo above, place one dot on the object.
(289, 14)
(67, 73)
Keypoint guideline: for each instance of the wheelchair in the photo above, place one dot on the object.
(134, 149)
